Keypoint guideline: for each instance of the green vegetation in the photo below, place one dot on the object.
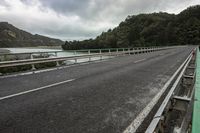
(156, 29)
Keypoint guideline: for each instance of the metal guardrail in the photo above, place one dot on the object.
(46, 54)
(160, 103)
(82, 51)
(178, 99)
(90, 55)
(31, 55)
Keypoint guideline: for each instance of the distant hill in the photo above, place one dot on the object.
(148, 30)
(11, 36)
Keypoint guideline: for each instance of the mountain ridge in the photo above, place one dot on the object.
(11, 36)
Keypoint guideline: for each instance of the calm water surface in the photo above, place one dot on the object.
(27, 50)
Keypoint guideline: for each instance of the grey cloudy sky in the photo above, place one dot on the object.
(80, 19)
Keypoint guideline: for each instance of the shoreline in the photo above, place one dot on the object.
(37, 47)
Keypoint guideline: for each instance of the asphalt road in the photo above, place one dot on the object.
(101, 97)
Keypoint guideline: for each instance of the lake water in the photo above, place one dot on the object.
(29, 50)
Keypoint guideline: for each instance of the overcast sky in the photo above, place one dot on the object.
(80, 19)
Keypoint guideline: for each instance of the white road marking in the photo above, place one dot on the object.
(37, 89)
(139, 60)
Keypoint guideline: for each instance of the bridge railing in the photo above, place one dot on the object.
(31, 55)
(88, 54)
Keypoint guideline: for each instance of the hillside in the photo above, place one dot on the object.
(148, 30)
(11, 36)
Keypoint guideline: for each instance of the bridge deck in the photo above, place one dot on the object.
(97, 97)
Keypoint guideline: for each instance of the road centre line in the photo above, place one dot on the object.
(140, 60)
(36, 89)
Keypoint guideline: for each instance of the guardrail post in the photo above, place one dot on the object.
(100, 51)
(88, 51)
(32, 65)
(133, 51)
(31, 56)
(123, 51)
(57, 63)
(56, 54)
(129, 51)
(117, 50)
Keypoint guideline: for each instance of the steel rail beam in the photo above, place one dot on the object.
(57, 59)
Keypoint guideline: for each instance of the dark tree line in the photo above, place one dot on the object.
(156, 29)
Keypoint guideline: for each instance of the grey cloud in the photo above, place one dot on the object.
(113, 10)
(3, 3)
(94, 12)
(85, 9)
(67, 6)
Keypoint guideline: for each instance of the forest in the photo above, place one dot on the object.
(143, 30)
